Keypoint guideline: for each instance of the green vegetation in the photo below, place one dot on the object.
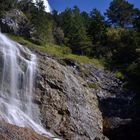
(58, 51)
(93, 85)
(7, 5)
(84, 72)
(119, 74)
(121, 13)
(90, 37)
(85, 59)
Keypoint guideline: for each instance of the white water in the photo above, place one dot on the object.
(17, 72)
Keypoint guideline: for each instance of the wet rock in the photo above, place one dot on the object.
(11, 132)
(115, 102)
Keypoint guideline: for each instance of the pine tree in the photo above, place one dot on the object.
(97, 27)
(75, 30)
(6, 5)
(120, 13)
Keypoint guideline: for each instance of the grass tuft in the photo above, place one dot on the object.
(59, 51)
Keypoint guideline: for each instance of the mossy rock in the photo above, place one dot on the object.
(84, 72)
(93, 85)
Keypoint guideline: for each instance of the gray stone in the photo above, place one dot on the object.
(14, 21)
(69, 108)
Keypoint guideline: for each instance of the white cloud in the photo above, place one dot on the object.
(46, 4)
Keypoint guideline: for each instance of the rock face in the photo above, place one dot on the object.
(115, 102)
(68, 106)
(77, 102)
(11, 132)
(80, 101)
(14, 21)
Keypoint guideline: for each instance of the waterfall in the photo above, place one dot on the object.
(17, 73)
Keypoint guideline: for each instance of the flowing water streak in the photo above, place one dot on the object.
(17, 73)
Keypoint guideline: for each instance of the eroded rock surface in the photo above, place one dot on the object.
(80, 101)
(12, 132)
(14, 21)
(68, 106)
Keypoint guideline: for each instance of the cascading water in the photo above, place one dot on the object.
(17, 72)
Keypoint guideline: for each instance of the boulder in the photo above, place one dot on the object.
(14, 21)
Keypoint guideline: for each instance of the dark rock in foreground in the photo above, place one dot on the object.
(12, 132)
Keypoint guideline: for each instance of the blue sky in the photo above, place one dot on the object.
(86, 5)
